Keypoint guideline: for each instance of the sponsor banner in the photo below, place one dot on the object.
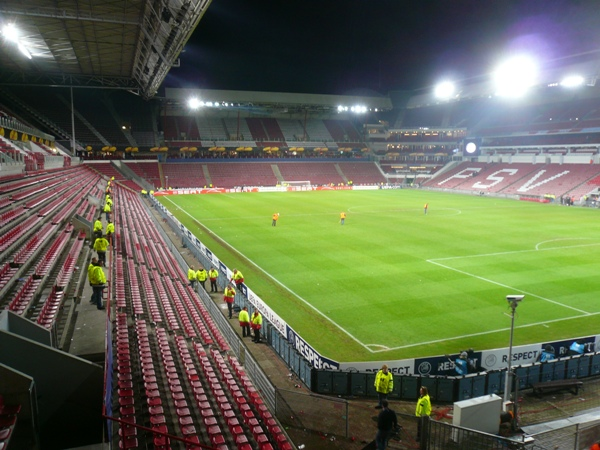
(269, 189)
(527, 354)
(366, 188)
(266, 312)
(223, 268)
(325, 188)
(482, 361)
(400, 367)
(533, 199)
(190, 191)
(309, 353)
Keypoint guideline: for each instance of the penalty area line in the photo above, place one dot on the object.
(283, 285)
(487, 280)
(482, 333)
(513, 252)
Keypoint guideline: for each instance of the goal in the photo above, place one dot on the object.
(300, 185)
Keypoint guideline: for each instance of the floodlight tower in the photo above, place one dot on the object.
(513, 302)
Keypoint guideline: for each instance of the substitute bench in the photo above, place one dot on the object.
(571, 384)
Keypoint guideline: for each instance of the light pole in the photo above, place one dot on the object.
(513, 302)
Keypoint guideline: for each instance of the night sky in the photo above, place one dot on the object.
(360, 46)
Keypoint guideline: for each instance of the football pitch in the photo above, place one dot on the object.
(394, 282)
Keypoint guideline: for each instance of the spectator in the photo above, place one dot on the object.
(192, 277)
(98, 281)
(244, 319)
(547, 354)
(202, 276)
(256, 324)
(576, 349)
(386, 423)
(228, 297)
(462, 363)
(101, 245)
(237, 278)
(213, 274)
(423, 410)
(384, 384)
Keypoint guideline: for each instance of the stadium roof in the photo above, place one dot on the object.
(96, 43)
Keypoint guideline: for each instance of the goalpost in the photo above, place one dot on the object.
(297, 185)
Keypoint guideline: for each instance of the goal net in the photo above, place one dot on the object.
(296, 184)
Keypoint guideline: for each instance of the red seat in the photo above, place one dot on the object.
(217, 439)
(127, 411)
(214, 429)
(126, 431)
(156, 410)
(185, 420)
(128, 442)
(187, 429)
(210, 421)
(240, 439)
(126, 401)
(257, 431)
(157, 419)
(262, 439)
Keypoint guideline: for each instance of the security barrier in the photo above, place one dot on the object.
(449, 389)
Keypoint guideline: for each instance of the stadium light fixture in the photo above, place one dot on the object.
(194, 103)
(444, 90)
(513, 302)
(11, 34)
(358, 109)
(572, 81)
(514, 77)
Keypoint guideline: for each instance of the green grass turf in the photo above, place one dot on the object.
(393, 283)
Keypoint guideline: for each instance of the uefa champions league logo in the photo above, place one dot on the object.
(424, 368)
(490, 360)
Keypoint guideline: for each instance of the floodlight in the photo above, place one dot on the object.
(471, 147)
(444, 90)
(193, 103)
(515, 76)
(10, 33)
(572, 81)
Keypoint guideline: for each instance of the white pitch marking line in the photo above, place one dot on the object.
(508, 287)
(383, 347)
(515, 251)
(537, 246)
(436, 341)
(284, 286)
